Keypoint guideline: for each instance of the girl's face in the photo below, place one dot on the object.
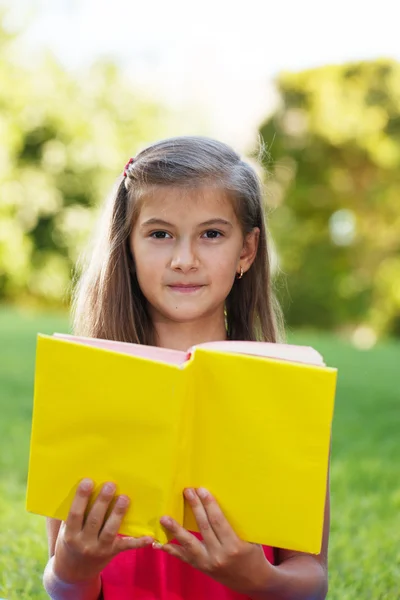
(188, 246)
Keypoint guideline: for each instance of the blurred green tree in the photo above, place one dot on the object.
(63, 140)
(334, 181)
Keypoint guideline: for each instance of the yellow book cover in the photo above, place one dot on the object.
(250, 421)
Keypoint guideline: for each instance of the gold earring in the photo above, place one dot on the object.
(240, 275)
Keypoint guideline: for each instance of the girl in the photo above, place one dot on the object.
(182, 259)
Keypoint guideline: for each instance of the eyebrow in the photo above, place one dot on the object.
(208, 223)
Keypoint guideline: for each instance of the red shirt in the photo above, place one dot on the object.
(148, 574)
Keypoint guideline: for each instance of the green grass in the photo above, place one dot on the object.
(23, 551)
(365, 482)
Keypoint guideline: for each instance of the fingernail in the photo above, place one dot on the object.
(109, 488)
(122, 501)
(157, 545)
(166, 521)
(202, 492)
(86, 484)
(189, 493)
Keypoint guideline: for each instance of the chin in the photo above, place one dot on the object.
(184, 316)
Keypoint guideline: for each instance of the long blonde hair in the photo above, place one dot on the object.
(108, 302)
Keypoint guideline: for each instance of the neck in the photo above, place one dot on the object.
(182, 336)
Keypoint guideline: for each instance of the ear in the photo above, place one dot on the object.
(249, 250)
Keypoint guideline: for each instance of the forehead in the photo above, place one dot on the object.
(196, 204)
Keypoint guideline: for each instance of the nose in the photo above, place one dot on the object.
(184, 257)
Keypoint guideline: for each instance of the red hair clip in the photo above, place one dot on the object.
(128, 164)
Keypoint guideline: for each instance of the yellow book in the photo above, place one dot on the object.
(249, 421)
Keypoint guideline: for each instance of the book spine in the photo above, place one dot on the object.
(184, 446)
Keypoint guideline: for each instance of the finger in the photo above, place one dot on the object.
(194, 549)
(113, 522)
(216, 518)
(75, 518)
(95, 519)
(173, 550)
(210, 539)
(130, 543)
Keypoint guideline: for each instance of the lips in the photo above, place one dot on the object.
(185, 285)
(185, 288)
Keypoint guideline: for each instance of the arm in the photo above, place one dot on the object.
(55, 587)
(82, 546)
(299, 576)
(58, 589)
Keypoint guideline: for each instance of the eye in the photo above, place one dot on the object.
(159, 235)
(212, 234)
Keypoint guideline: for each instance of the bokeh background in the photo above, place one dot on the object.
(310, 93)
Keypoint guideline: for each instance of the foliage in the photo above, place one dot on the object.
(364, 555)
(335, 189)
(64, 138)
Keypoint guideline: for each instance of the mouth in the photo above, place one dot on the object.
(185, 288)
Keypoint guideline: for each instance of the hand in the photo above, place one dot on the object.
(85, 544)
(239, 565)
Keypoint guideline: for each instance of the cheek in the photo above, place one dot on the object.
(149, 268)
(223, 263)
(148, 276)
(145, 258)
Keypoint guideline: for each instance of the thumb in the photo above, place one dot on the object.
(123, 543)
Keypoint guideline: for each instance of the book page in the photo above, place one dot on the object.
(173, 357)
(289, 352)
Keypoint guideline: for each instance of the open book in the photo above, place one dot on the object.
(249, 421)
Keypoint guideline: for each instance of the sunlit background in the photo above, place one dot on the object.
(84, 85)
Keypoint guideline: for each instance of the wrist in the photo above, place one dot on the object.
(71, 571)
(67, 577)
(61, 589)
